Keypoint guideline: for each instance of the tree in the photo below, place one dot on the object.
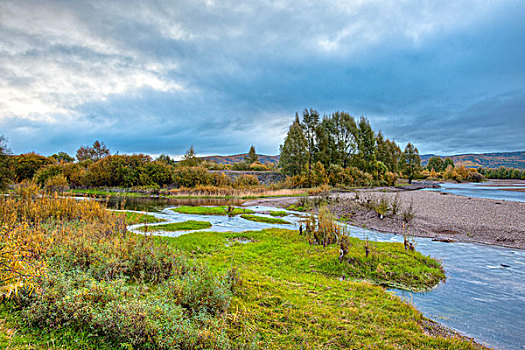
(436, 163)
(366, 144)
(6, 172)
(411, 163)
(93, 153)
(310, 123)
(293, 152)
(63, 157)
(26, 165)
(164, 158)
(190, 158)
(326, 150)
(448, 162)
(345, 136)
(251, 157)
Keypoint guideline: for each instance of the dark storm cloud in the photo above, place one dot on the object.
(157, 77)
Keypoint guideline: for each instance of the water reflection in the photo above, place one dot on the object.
(158, 204)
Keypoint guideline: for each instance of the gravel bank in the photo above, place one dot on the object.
(437, 215)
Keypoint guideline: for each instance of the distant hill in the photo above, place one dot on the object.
(237, 158)
(486, 160)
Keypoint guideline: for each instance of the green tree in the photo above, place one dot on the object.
(6, 172)
(251, 157)
(326, 149)
(436, 163)
(448, 162)
(366, 144)
(393, 159)
(346, 135)
(190, 158)
(26, 165)
(63, 157)
(411, 162)
(93, 153)
(293, 152)
(164, 158)
(310, 124)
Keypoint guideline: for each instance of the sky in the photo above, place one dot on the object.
(159, 76)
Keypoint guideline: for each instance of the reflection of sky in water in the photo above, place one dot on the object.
(481, 190)
(480, 298)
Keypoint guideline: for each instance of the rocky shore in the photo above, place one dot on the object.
(440, 216)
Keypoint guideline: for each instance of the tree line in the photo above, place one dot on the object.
(337, 148)
(95, 166)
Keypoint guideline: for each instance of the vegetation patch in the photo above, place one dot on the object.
(73, 277)
(278, 213)
(265, 219)
(220, 210)
(133, 218)
(178, 226)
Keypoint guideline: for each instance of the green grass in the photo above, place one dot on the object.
(133, 218)
(220, 210)
(265, 219)
(14, 335)
(278, 213)
(291, 297)
(178, 226)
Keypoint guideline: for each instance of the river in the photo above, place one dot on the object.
(492, 190)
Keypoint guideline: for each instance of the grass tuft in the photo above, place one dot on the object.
(177, 226)
(265, 219)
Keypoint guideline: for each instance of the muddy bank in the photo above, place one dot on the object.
(437, 215)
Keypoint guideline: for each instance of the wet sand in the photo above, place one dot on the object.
(437, 215)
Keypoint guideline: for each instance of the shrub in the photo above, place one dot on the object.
(57, 183)
(71, 171)
(26, 165)
(190, 176)
(246, 181)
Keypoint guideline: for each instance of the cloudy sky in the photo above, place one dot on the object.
(156, 77)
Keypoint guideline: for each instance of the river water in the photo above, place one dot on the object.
(491, 190)
(483, 297)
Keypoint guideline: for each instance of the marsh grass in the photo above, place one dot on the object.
(265, 219)
(278, 213)
(177, 226)
(133, 218)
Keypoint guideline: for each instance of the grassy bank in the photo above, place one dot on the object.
(133, 218)
(177, 226)
(265, 219)
(90, 284)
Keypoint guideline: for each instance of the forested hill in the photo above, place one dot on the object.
(486, 160)
(239, 158)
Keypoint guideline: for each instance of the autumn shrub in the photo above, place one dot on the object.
(190, 176)
(69, 264)
(73, 173)
(244, 181)
(26, 165)
(258, 166)
(57, 183)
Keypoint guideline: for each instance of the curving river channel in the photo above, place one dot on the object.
(483, 297)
